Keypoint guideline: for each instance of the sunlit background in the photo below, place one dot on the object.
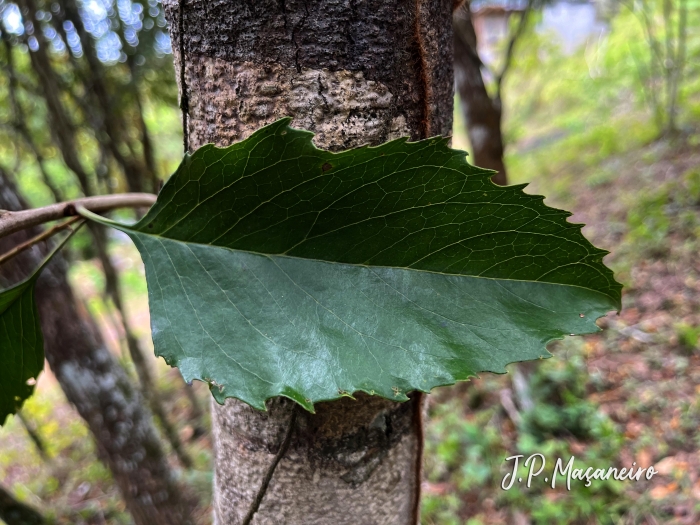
(601, 114)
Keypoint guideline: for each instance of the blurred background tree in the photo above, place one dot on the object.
(480, 87)
(80, 82)
(661, 72)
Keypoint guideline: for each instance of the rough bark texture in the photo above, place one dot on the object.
(353, 462)
(97, 385)
(482, 114)
(354, 72)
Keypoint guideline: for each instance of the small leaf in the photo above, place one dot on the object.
(21, 341)
(275, 268)
(21, 346)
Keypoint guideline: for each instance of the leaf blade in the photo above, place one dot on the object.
(21, 346)
(21, 340)
(280, 363)
(276, 268)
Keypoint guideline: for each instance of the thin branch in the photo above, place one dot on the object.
(508, 405)
(36, 240)
(109, 118)
(146, 141)
(656, 60)
(62, 126)
(647, 89)
(146, 380)
(33, 434)
(508, 59)
(651, 38)
(678, 64)
(13, 221)
(20, 121)
(196, 414)
(270, 471)
(669, 64)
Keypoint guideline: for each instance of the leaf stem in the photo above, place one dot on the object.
(13, 221)
(35, 240)
(268, 475)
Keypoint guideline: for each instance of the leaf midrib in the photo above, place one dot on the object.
(271, 256)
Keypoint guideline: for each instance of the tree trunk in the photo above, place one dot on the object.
(354, 72)
(482, 114)
(65, 135)
(98, 386)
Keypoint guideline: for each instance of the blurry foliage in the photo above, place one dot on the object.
(92, 79)
(669, 30)
(574, 124)
(561, 411)
(568, 113)
(78, 486)
(655, 215)
(466, 451)
(88, 105)
(688, 336)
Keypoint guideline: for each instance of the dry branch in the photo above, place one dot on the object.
(13, 221)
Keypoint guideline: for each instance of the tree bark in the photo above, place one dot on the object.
(97, 385)
(354, 72)
(482, 114)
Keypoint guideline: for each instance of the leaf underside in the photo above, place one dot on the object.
(276, 268)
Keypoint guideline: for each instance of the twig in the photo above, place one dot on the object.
(146, 142)
(35, 240)
(507, 60)
(634, 332)
(508, 405)
(678, 61)
(63, 128)
(268, 475)
(521, 386)
(13, 221)
(149, 386)
(34, 435)
(196, 413)
(20, 120)
(656, 60)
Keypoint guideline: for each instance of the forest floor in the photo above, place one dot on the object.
(630, 393)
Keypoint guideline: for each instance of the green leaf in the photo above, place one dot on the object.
(275, 268)
(21, 340)
(21, 346)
